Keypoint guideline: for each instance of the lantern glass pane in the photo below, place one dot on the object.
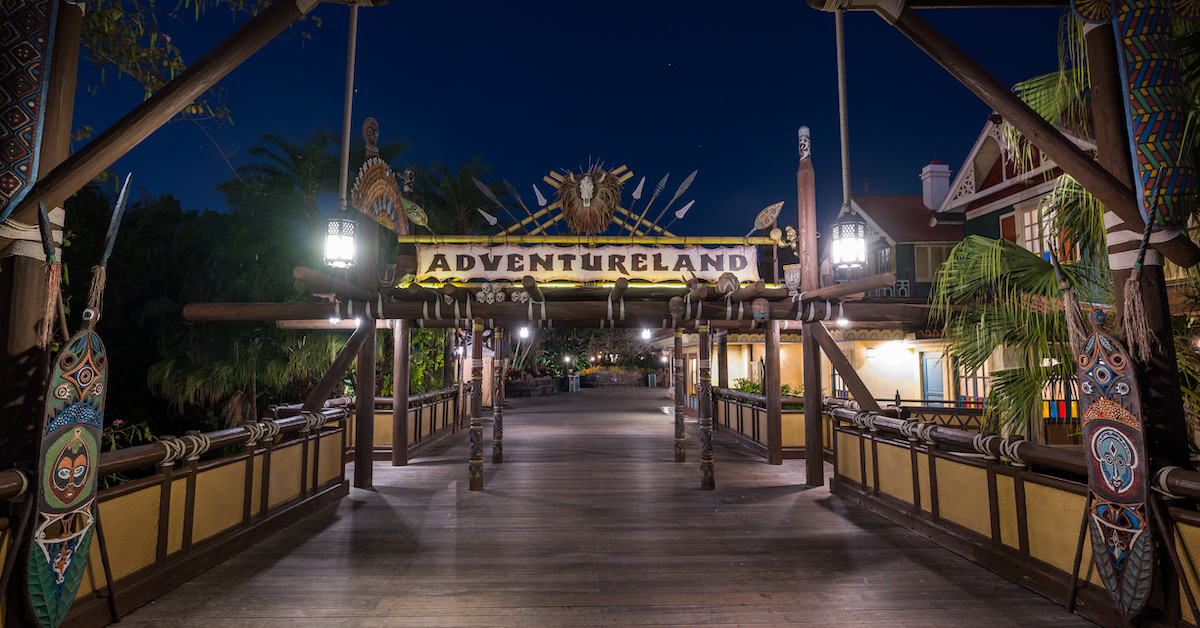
(339, 242)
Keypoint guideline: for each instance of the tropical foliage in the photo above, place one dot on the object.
(996, 297)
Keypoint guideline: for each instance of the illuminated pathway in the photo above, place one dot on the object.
(589, 523)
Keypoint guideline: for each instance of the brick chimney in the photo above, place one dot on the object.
(935, 184)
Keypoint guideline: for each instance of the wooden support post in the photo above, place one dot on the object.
(774, 400)
(723, 358)
(858, 390)
(364, 385)
(475, 464)
(806, 204)
(333, 375)
(498, 396)
(679, 380)
(23, 288)
(1162, 401)
(401, 378)
(814, 441)
(704, 401)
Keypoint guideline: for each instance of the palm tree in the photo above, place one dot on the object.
(996, 296)
(452, 199)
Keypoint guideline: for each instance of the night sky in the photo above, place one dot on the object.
(657, 86)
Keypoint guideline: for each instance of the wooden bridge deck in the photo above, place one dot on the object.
(590, 523)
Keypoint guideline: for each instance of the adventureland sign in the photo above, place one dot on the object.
(579, 263)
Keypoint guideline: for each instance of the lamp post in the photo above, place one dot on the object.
(848, 241)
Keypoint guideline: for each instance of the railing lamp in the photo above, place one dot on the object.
(340, 229)
(849, 241)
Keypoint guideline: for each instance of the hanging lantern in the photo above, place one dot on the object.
(848, 248)
(339, 240)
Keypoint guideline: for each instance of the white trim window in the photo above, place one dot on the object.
(927, 258)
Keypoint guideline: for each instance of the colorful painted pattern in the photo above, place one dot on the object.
(26, 39)
(1166, 177)
(1118, 478)
(67, 477)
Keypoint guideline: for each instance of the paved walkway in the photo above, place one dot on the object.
(590, 523)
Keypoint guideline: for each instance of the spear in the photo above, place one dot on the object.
(100, 273)
(637, 196)
(679, 214)
(488, 193)
(512, 191)
(53, 277)
(491, 220)
(657, 190)
(682, 188)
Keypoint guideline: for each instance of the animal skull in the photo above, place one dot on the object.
(587, 190)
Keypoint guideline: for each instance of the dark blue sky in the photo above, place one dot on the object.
(657, 86)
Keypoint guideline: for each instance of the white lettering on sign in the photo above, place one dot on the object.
(580, 263)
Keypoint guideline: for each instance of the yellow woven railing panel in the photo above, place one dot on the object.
(220, 497)
(760, 417)
(847, 458)
(895, 472)
(1187, 543)
(175, 525)
(1006, 493)
(131, 532)
(923, 478)
(963, 496)
(331, 458)
(793, 429)
(1054, 518)
(285, 474)
(256, 485)
(412, 426)
(383, 429)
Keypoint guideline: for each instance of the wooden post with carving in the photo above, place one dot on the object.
(680, 384)
(707, 481)
(475, 465)
(498, 396)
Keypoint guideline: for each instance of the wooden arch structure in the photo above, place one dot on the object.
(507, 281)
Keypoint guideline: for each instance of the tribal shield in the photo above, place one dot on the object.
(1118, 471)
(67, 476)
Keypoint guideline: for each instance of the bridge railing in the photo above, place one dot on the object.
(1013, 506)
(432, 416)
(194, 512)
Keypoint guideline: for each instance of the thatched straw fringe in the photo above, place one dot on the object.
(96, 291)
(596, 217)
(1139, 338)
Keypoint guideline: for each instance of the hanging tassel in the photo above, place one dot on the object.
(1076, 329)
(1139, 338)
(53, 277)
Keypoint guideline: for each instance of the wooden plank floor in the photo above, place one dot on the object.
(590, 523)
